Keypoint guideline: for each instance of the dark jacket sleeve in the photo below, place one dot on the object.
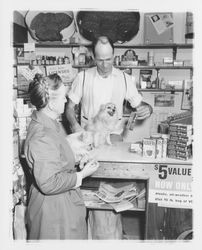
(52, 175)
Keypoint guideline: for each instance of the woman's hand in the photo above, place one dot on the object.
(88, 168)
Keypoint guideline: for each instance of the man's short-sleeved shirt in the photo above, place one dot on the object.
(92, 90)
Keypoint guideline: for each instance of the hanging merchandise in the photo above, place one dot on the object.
(50, 26)
(118, 26)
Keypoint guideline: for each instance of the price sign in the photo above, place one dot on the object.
(171, 185)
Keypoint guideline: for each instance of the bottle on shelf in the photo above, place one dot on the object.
(150, 59)
(43, 60)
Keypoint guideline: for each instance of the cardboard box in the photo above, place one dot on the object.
(149, 148)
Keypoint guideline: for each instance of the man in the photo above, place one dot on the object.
(91, 88)
(102, 84)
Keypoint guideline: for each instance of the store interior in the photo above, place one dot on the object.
(157, 51)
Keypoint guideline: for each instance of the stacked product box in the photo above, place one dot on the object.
(22, 113)
(180, 142)
(155, 146)
(18, 176)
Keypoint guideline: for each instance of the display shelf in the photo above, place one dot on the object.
(52, 45)
(119, 67)
(160, 90)
(83, 66)
(135, 46)
(27, 64)
(155, 67)
(140, 67)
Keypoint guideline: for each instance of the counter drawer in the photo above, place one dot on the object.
(122, 170)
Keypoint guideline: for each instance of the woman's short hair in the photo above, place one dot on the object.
(103, 40)
(39, 89)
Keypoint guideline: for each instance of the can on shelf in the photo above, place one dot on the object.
(117, 60)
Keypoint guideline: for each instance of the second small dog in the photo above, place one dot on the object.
(99, 128)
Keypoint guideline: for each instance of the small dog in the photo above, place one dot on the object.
(99, 128)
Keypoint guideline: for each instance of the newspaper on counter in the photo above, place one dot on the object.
(111, 194)
(122, 206)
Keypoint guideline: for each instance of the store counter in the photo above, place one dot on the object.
(168, 184)
(117, 161)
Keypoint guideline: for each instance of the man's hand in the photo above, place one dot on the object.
(70, 115)
(143, 111)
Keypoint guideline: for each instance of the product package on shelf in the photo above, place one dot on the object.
(180, 142)
(145, 78)
(149, 147)
(25, 74)
(19, 193)
(65, 71)
(19, 185)
(15, 146)
(22, 116)
(155, 146)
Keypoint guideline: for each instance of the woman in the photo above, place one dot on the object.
(56, 209)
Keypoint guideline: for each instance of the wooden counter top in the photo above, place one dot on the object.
(119, 152)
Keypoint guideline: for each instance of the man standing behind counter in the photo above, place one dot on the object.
(103, 84)
(94, 87)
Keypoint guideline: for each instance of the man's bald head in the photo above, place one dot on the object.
(102, 40)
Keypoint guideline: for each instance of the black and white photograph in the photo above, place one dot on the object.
(101, 120)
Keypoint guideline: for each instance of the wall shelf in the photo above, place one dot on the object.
(140, 67)
(155, 67)
(134, 46)
(119, 67)
(161, 90)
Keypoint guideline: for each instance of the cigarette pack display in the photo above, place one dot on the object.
(179, 126)
(149, 147)
(172, 142)
(181, 138)
(171, 152)
(172, 128)
(185, 140)
(180, 143)
(174, 133)
(184, 158)
(171, 146)
(184, 144)
(184, 134)
(178, 147)
(174, 138)
(184, 127)
(184, 148)
(178, 153)
(184, 154)
(181, 133)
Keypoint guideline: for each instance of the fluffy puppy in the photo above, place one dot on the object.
(78, 146)
(100, 127)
